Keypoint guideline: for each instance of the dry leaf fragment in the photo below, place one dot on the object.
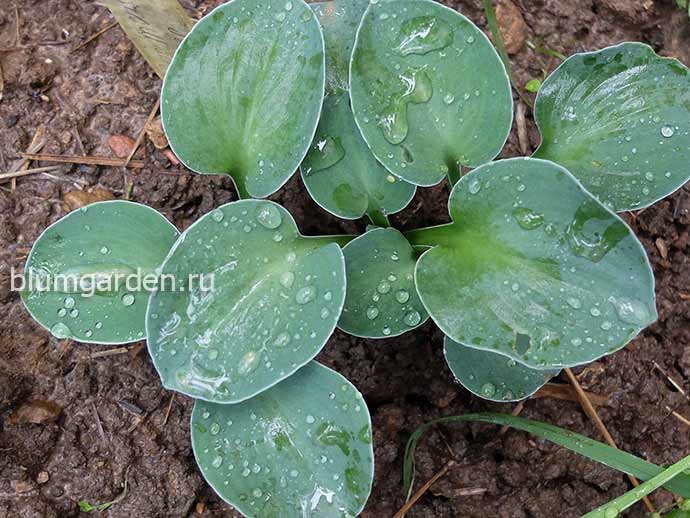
(36, 412)
(77, 199)
(512, 25)
(121, 145)
(155, 133)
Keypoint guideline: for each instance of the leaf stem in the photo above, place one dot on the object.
(454, 175)
(430, 236)
(378, 218)
(492, 22)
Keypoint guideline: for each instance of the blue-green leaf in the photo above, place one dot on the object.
(244, 91)
(619, 120)
(94, 265)
(381, 300)
(535, 268)
(261, 303)
(300, 449)
(428, 90)
(493, 376)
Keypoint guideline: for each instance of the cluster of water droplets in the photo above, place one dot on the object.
(309, 454)
(270, 299)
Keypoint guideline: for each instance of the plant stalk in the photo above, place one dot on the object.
(378, 218)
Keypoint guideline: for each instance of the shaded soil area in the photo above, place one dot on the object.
(84, 96)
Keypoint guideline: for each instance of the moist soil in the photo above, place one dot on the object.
(84, 96)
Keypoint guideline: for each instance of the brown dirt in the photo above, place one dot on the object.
(108, 89)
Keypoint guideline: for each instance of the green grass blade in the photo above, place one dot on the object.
(620, 504)
(585, 446)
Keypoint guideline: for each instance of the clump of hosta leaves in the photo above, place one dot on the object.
(534, 273)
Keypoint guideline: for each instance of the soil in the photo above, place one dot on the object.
(84, 96)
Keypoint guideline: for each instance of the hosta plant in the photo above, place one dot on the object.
(534, 272)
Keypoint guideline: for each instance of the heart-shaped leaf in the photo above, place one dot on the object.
(339, 171)
(619, 120)
(243, 93)
(302, 448)
(493, 376)
(381, 299)
(428, 90)
(264, 302)
(534, 267)
(88, 272)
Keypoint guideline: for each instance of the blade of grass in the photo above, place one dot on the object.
(580, 444)
(620, 504)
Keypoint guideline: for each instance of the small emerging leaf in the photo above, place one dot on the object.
(84, 262)
(428, 90)
(533, 85)
(381, 300)
(302, 448)
(262, 303)
(534, 268)
(244, 91)
(493, 376)
(339, 171)
(618, 119)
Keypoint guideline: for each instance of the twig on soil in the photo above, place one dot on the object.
(422, 490)
(26, 172)
(680, 417)
(93, 37)
(566, 393)
(592, 413)
(99, 426)
(80, 142)
(85, 160)
(673, 382)
(37, 143)
(2, 83)
(17, 35)
(167, 412)
(109, 352)
(523, 140)
(142, 133)
(516, 412)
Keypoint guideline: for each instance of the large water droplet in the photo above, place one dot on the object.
(268, 215)
(417, 89)
(402, 296)
(325, 153)
(282, 339)
(488, 390)
(217, 215)
(424, 34)
(305, 295)
(594, 232)
(128, 299)
(667, 131)
(249, 363)
(372, 312)
(287, 279)
(474, 187)
(61, 331)
(217, 461)
(412, 318)
(528, 218)
(383, 287)
(631, 311)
